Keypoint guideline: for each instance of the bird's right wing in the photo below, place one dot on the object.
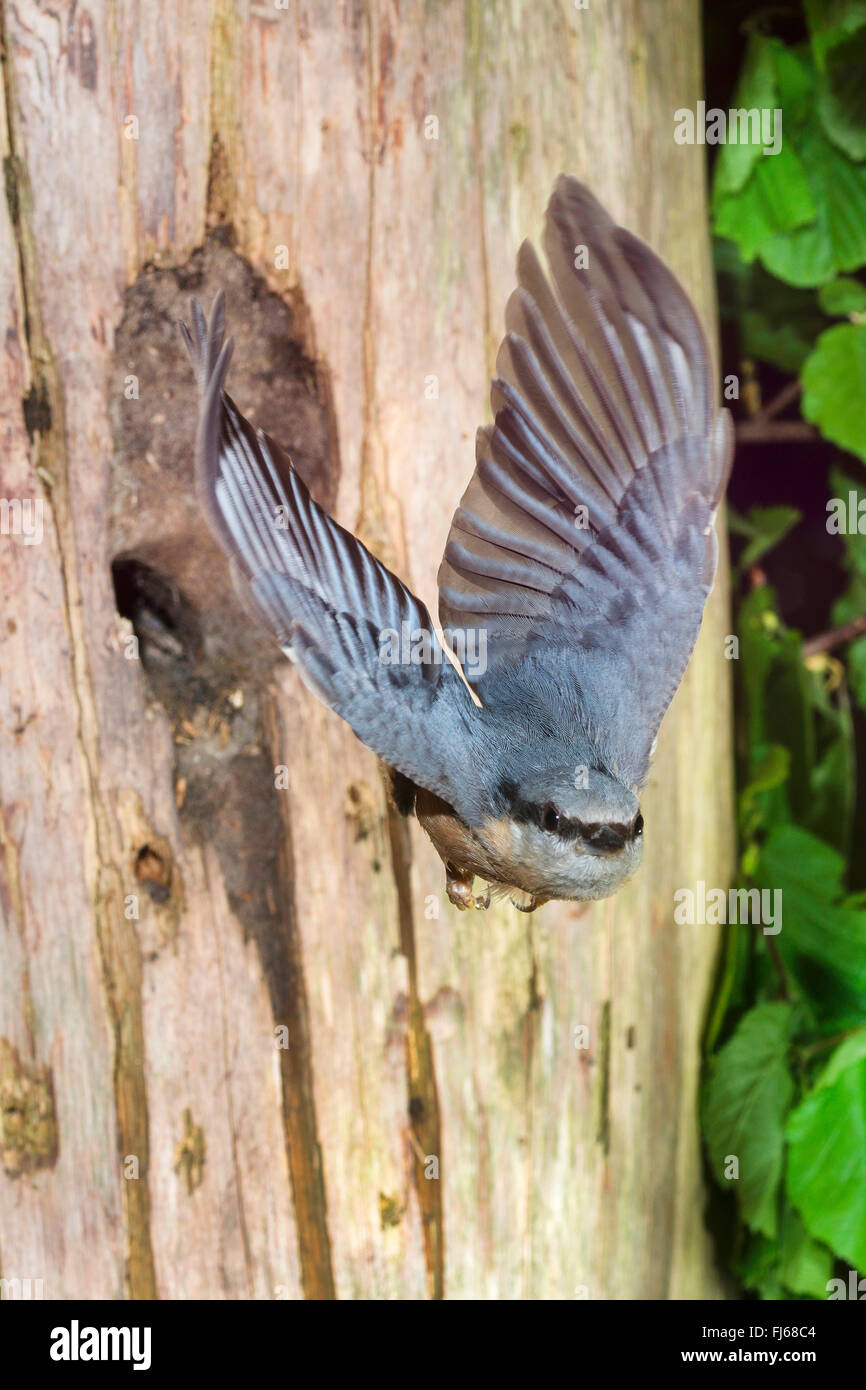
(583, 546)
(349, 625)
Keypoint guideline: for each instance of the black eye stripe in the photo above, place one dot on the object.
(531, 813)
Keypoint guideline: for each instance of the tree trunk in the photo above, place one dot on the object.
(247, 1048)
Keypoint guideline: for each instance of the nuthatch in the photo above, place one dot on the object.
(578, 563)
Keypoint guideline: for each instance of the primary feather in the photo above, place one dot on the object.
(583, 545)
(327, 600)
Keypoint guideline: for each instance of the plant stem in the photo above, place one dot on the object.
(826, 641)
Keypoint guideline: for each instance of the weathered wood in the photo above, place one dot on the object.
(414, 1032)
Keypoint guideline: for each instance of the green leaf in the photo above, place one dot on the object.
(756, 195)
(776, 198)
(850, 1053)
(778, 696)
(758, 1267)
(826, 1171)
(765, 527)
(756, 88)
(747, 1095)
(842, 485)
(805, 1265)
(763, 642)
(834, 386)
(769, 768)
(833, 784)
(836, 239)
(796, 83)
(775, 322)
(771, 342)
(833, 775)
(787, 703)
(829, 21)
(758, 1260)
(856, 662)
(842, 101)
(823, 936)
(852, 603)
(842, 296)
(852, 496)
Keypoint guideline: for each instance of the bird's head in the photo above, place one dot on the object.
(565, 833)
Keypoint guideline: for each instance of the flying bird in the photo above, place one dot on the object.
(577, 566)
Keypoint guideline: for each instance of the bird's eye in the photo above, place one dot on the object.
(550, 818)
(638, 825)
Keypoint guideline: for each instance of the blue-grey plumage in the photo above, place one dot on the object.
(579, 561)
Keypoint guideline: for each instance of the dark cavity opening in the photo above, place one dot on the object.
(165, 623)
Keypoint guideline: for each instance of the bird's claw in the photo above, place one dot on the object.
(459, 889)
(534, 902)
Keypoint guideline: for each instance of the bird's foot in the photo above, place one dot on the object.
(530, 902)
(459, 889)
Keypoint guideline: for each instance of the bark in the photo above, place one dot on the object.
(167, 906)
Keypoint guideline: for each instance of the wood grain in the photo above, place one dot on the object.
(414, 1032)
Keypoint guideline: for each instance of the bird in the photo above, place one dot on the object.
(573, 582)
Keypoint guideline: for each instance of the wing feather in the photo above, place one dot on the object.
(584, 540)
(331, 605)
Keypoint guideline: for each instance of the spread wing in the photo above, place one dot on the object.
(584, 540)
(349, 625)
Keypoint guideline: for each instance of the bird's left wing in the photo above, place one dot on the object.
(349, 625)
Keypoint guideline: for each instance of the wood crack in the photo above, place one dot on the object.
(117, 940)
(475, 21)
(291, 1009)
(230, 1113)
(425, 1130)
(371, 527)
